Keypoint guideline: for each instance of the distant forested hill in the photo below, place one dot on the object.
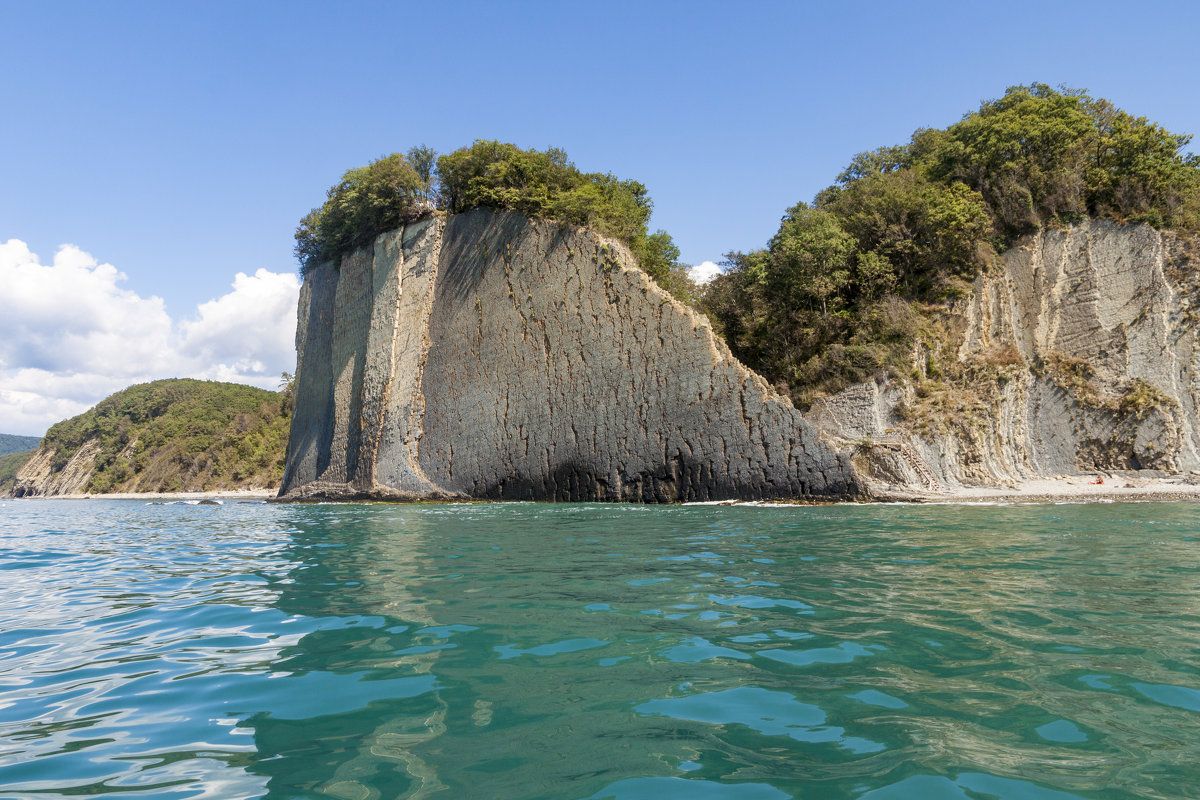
(164, 436)
(10, 443)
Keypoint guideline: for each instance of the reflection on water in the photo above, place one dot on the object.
(769, 713)
(535, 651)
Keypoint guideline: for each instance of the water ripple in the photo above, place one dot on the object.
(532, 651)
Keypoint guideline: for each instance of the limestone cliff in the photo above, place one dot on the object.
(492, 356)
(1076, 353)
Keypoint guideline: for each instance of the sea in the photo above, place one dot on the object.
(522, 650)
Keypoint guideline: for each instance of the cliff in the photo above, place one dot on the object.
(164, 436)
(488, 355)
(1076, 353)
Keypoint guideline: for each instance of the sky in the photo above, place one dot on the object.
(156, 156)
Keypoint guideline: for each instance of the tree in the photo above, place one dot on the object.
(366, 202)
(874, 275)
(1025, 153)
(924, 230)
(1042, 156)
(1138, 172)
(502, 175)
(810, 257)
(659, 255)
(424, 161)
(879, 161)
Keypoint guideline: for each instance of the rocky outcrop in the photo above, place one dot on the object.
(1077, 353)
(487, 355)
(38, 477)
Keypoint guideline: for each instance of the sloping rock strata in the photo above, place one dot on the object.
(1092, 337)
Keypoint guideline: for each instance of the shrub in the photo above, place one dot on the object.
(1072, 374)
(1044, 156)
(1141, 397)
(366, 202)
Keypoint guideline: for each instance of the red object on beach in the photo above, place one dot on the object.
(1099, 481)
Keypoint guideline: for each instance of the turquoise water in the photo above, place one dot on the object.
(582, 651)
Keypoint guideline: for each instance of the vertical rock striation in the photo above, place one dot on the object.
(1096, 329)
(488, 355)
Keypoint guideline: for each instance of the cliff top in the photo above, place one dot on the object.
(852, 283)
(545, 184)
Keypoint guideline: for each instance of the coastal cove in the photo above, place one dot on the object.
(599, 651)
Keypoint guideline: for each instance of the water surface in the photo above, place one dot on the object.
(591, 651)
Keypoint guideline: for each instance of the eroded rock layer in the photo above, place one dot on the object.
(1082, 355)
(487, 355)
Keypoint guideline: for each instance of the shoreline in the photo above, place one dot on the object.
(1062, 489)
(217, 494)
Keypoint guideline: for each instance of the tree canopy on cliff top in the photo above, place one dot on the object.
(838, 293)
(545, 184)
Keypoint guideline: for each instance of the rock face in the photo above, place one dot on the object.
(488, 355)
(39, 478)
(1084, 344)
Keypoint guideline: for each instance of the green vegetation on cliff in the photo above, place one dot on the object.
(544, 184)
(850, 284)
(366, 202)
(179, 435)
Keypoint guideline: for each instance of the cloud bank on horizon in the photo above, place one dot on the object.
(71, 334)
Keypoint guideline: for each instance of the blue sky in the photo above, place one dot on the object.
(181, 141)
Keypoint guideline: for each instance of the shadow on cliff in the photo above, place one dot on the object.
(474, 240)
(681, 480)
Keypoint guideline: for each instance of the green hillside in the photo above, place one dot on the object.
(10, 443)
(179, 435)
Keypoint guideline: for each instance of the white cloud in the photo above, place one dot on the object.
(71, 334)
(250, 331)
(704, 272)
